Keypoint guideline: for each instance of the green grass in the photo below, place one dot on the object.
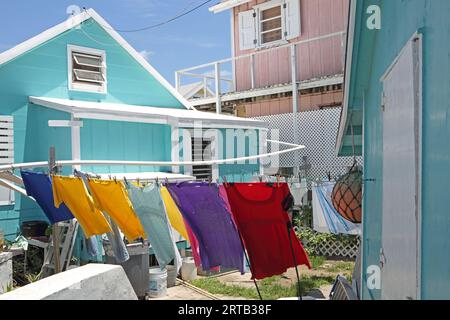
(317, 261)
(269, 287)
(342, 266)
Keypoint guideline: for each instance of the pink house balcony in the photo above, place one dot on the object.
(305, 64)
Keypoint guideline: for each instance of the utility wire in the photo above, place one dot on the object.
(164, 22)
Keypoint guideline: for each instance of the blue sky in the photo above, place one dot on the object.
(197, 38)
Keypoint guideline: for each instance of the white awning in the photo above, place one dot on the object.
(147, 114)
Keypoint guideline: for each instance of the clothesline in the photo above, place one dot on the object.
(38, 164)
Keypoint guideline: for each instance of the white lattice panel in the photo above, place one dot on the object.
(339, 249)
(317, 130)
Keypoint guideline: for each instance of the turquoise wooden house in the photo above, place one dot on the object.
(397, 114)
(81, 88)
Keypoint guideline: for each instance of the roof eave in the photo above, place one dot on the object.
(347, 76)
(225, 5)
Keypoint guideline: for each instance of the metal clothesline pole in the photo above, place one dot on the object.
(249, 265)
(295, 147)
(52, 169)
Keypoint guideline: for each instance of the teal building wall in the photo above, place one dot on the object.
(373, 52)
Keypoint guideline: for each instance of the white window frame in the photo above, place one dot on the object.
(265, 6)
(75, 86)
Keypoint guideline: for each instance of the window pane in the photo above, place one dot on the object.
(271, 24)
(271, 36)
(85, 60)
(271, 13)
(88, 76)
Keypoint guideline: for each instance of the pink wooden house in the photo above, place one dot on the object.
(287, 56)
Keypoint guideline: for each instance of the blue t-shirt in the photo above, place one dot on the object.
(39, 186)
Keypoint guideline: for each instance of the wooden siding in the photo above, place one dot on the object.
(280, 105)
(315, 59)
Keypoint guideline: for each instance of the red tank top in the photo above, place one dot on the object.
(259, 210)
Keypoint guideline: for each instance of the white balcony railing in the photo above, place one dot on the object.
(276, 69)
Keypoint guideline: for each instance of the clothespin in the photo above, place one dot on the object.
(209, 180)
(115, 179)
(278, 180)
(166, 180)
(224, 179)
(329, 175)
(157, 181)
(137, 180)
(260, 178)
(125, 180)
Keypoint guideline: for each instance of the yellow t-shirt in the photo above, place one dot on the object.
(75, 196)
(174, 214)
(112, 198)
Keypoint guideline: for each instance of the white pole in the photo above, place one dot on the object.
(295, 104)
(252, 70)
(294, 78)
(217, 83)
(177, 80)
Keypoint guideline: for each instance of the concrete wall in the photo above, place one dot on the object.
(90, 282)
(5, 271)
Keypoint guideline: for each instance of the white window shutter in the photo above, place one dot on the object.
(292, 16)
(6, 154)
(247, 30)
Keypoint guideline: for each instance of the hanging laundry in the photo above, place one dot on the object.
(39, 186)
(194, 246)
(73, 193)
(224, 196)
(149, 206)
(298, 191)
(111, 197)
(91, 245)
(205, 212)
(175, 217)
(114, 238)
(177, 221)
(325, 217)
(260, 212)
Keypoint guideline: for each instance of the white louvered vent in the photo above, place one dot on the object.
(6, 154)
(201, 151)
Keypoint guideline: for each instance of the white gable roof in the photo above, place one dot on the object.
(75, 21)
(189, 90)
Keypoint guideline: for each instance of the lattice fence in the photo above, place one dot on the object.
(334, 248)
(317, 130)
(340, 247)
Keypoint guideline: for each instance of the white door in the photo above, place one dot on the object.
(400, 255)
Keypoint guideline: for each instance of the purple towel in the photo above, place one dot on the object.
(210, 221)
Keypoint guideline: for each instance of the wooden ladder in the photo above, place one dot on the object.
(67, 232)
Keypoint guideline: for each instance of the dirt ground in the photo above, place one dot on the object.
(330, 268)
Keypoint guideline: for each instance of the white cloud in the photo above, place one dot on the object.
(146, 54)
